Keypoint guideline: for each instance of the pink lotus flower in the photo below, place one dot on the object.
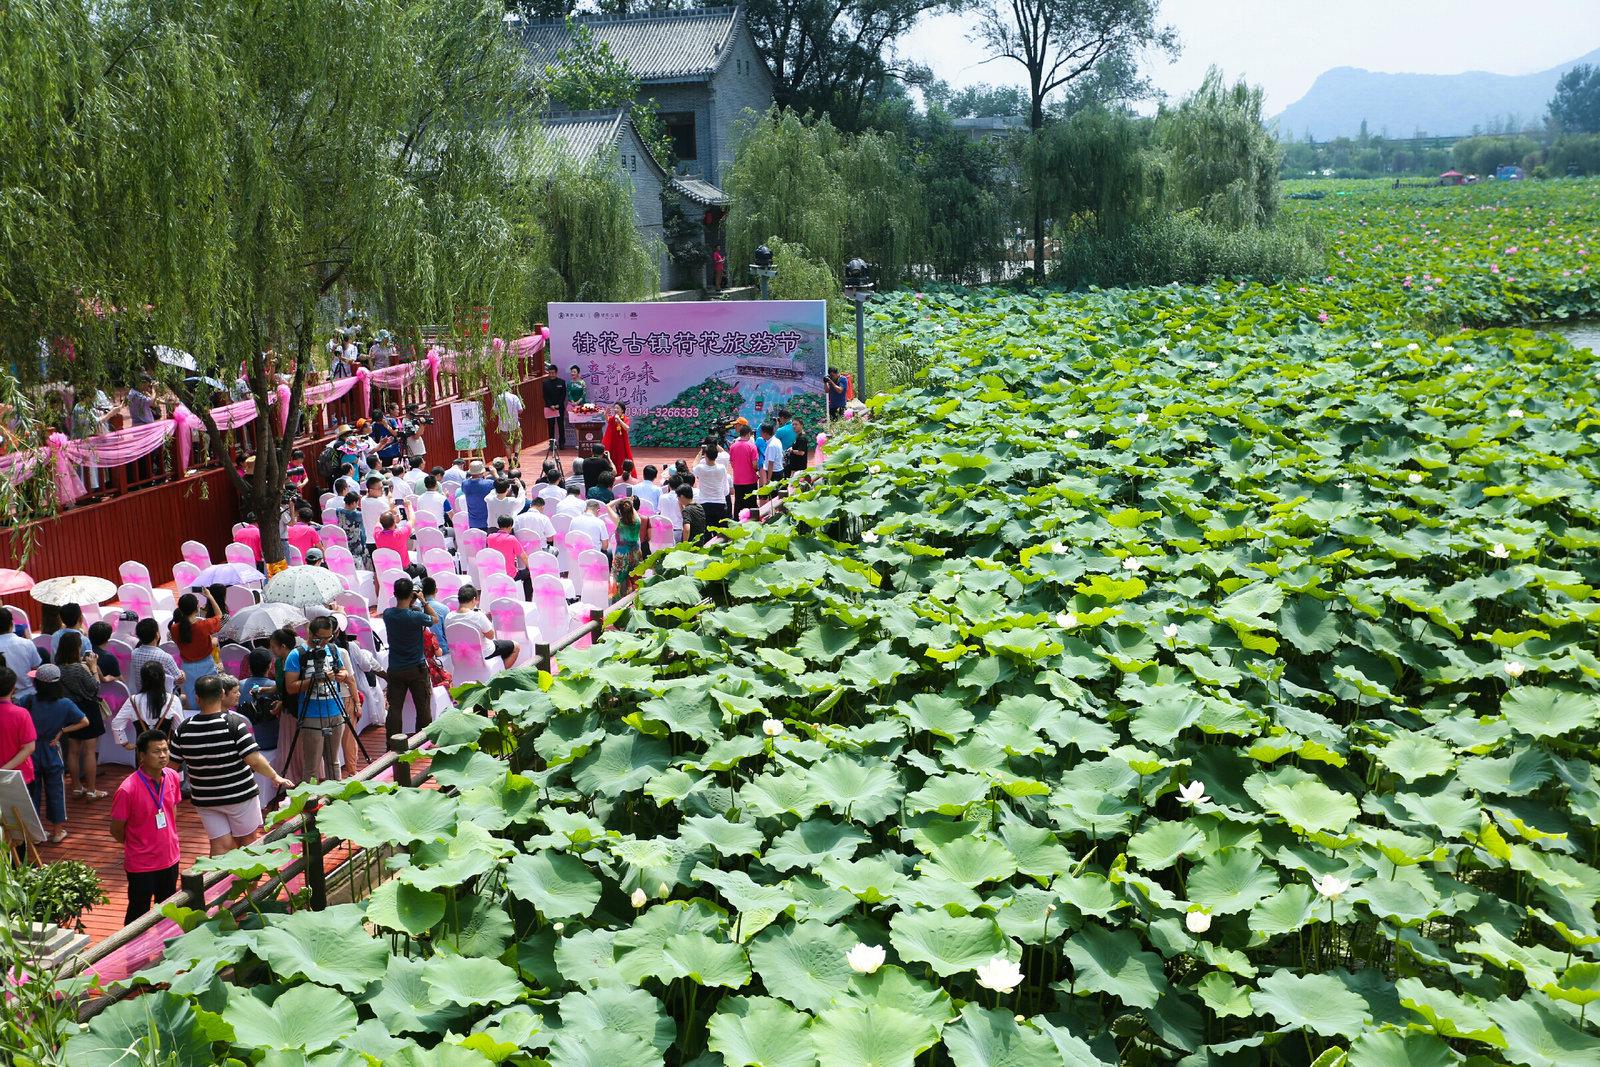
(1494, 268)
(1322, 316)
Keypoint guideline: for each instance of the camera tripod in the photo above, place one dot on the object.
(317, 680)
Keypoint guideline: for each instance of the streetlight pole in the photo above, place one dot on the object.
(858, 290)
(763, 269)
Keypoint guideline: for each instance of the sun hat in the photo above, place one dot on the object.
(476, 467)
(47, 672)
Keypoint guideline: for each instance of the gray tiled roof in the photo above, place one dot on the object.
(673, 47)
(700, 191)
(584, 134)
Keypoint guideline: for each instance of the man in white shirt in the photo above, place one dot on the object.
(20, 654)
(573, 504)
(399, 488)
(670, 508)
(553, 495)
(645, 490)
(415, 476)
(468, 615)
(457, 471)
(536, 522)
(507, 499)
(771, 455)
(374, 506)
(431, 500)
(590, 523)
(712, 483)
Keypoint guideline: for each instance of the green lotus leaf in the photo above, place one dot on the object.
(970, 861)
(1316, 1002)
(610, 1009)
(329, 947)
(1307, 805)
(804, 963)
(1073, 1050)
(1159, 846)
(1414, 756)
(621, 764)
(480, 927)
(950, 944)
(863, 790)
(941, 716)
(1391, 1048)
(1223, 997)
(1535, 1034)
(641, 948)
(404, 1003)
(403, 818)
(1231, 880)
(159, 1023)
(587, 957)
(874, 1035)
(723, 837)
(1539, 711)
(987, 1038)
(396, 905)
(602, 1048)
(1579, 984)
(760, 1032)
(706, 961)
(559, 885)
(471, 981)
(1111, 961)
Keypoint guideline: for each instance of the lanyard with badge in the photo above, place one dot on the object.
(155, 797)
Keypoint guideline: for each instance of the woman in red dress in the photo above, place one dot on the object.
(615, 439)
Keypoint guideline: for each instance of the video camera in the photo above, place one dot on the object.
(419, 414)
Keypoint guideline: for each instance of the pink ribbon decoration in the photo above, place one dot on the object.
(283, 408)
(822, 445)
(328, 391)
(395, 377)
(186, 424)
(364, 395)
(121, 446)
(433, 362)
(232, 416)
(499, 344)
(68, 487)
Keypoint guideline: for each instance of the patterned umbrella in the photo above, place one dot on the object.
(258, 621)
(304, 587)
(228, 574)
(14, 581)
(73, 589)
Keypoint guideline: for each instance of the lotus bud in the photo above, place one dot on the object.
(662, 891)
(639, 899)
(1514, 413)
(1072, 435)
(1170, 631)
(772, 727)
(1414, 478)
(1514, 669)
(1197, 922)
(1066, 620)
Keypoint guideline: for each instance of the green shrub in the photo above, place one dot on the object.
(1183, 248)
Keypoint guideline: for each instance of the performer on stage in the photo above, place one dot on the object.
(615, 439)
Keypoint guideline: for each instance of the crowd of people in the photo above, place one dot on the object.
(289, 718)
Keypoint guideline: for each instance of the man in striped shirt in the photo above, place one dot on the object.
(222, 759)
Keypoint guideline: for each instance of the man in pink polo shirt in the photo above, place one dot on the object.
(144, 817)
(396, 536)
(743, 459)
(504, 541)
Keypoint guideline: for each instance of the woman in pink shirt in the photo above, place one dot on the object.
(303, 535)
(144, 818)
(395, 536)
(17, 735)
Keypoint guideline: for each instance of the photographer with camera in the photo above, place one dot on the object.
(314, 677)
(408, 661)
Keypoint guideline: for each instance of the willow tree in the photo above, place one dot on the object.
(262, 156)
(835, 195)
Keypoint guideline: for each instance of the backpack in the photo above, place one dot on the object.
(328, 464)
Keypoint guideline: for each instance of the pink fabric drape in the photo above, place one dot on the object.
(364, 392)
(395, 377)
(68, 487)
(232, 416)
(433, 360)
(282, 395)
(328, 391)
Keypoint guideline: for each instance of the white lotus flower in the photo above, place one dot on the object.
(639, 899)
(1131, 563)
(1066, 620)
(1000, 975)
(1057, 548)
(1163, 350)
(1376, 345)
(1331, 887)
(772, 727)
(1211, 364)
(1197, 922)
(1141, 418)
(1073, 435)
(558, 927)
(1514, 669)
(868, 537)
(1414, 478)
(1170, 631)
(1468, 368)
(1499, 551)
(864, 959)
(1514, 413)
(1192, 792)
(1412, 347)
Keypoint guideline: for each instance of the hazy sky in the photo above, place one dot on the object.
(1283, 45)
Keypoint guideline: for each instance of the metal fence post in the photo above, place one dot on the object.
(400, 744)
(311, 838)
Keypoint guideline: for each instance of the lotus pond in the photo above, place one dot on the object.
(1197, 675)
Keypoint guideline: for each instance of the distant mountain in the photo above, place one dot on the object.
(1439, 104)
